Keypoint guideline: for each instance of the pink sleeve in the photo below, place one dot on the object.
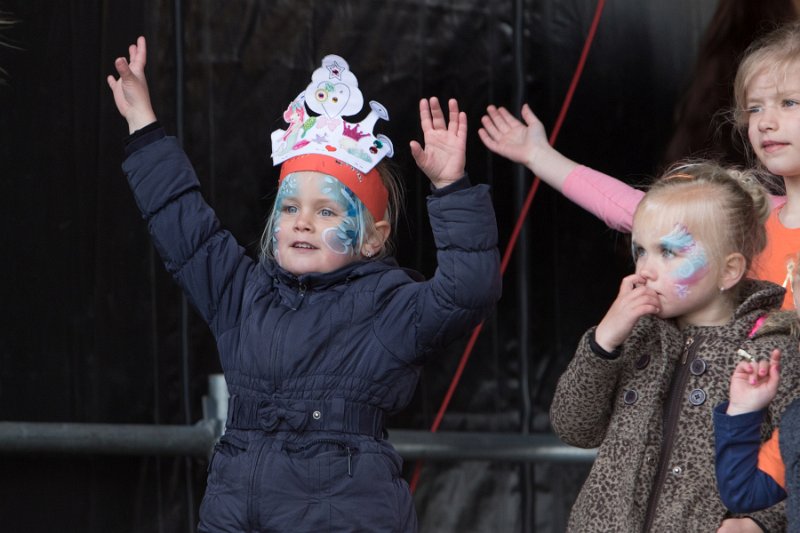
(777, 201)
(607, 198)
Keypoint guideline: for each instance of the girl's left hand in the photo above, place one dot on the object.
(445, 152)
(739, 525)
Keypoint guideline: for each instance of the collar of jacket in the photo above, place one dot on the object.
(316, 280)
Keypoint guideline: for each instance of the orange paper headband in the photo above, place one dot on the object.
(367, 187)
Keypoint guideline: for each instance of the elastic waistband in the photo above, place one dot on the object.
(304, 415)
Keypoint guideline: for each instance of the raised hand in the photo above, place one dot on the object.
(754, 384)
(130, 89)
(445, 152)
(505, 135)
(633, 301)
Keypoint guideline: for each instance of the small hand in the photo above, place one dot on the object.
(633, 301)
(130, 89)
(444, 155)
(754, 384)
(505, 135)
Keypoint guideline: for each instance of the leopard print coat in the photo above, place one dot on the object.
(623, 406)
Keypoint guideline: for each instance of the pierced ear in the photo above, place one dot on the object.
(376, 239)
(734, 267)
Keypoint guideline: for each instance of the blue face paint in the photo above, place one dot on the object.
(692, 266)
(288, 188)
(346, 237)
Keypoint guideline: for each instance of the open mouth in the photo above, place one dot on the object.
(303, 246)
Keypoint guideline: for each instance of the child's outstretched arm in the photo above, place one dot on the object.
(750, 475)
(444, 155)
(130, 89)
(609, 199)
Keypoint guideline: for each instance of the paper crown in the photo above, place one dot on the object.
(332, 94)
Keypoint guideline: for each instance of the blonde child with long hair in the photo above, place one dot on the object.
(643, 382)
(767, 110)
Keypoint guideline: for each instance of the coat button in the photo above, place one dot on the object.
(677, 470)
(317, 415)
(697, 397)
(698, 367)
(642, 362)
(630, 396)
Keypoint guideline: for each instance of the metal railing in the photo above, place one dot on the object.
(198, 440)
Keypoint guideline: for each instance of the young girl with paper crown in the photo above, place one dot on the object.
(323, 336)
(767, 105)
(644, 381)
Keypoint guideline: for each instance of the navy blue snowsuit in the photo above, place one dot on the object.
(314, 362)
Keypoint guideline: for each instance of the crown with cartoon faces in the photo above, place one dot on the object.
(332, 94)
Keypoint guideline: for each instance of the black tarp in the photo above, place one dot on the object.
(93, 328)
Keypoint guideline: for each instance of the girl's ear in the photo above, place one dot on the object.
(734, 267)
(376, 239)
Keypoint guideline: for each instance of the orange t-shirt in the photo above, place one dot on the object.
(777, 262)
(770, 460)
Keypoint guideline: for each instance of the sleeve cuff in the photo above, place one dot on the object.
(459, 185)
(600, 351)
(144, 136)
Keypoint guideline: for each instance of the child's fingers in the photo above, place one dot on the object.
(528, 116)
(437, 116)
(416, 150)
(461, 129)
(112, 81)
(453, 116)
(123, 69)
(775, 357)
(142, 56)
(424, 114)
(489, 127)
(497, 119)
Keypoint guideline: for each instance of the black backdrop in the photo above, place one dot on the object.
(93, 330)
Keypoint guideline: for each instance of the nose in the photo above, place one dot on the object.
(302, 222)
(646, 269)
(767, 120)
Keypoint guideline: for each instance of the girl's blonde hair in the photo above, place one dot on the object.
(724, 207)
(776, 51)
(390, 177)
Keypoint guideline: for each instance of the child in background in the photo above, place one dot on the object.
(752, 475)
(767, 105)
(644, 381)
(325, 335)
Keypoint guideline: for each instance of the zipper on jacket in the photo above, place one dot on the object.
(671, 416)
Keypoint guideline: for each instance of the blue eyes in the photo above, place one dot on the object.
(639, 252)
(293, 210)
(784, 103)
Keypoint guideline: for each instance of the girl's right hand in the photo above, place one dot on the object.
(633, 301)
(754, 384)
(505, 135)
(130, 89)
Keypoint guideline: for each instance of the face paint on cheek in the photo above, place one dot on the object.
(287, 188)
(692, 266)
(344, 238)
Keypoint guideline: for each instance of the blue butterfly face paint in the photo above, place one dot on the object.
(691, 264)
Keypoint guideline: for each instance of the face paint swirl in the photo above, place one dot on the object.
(692, 264)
